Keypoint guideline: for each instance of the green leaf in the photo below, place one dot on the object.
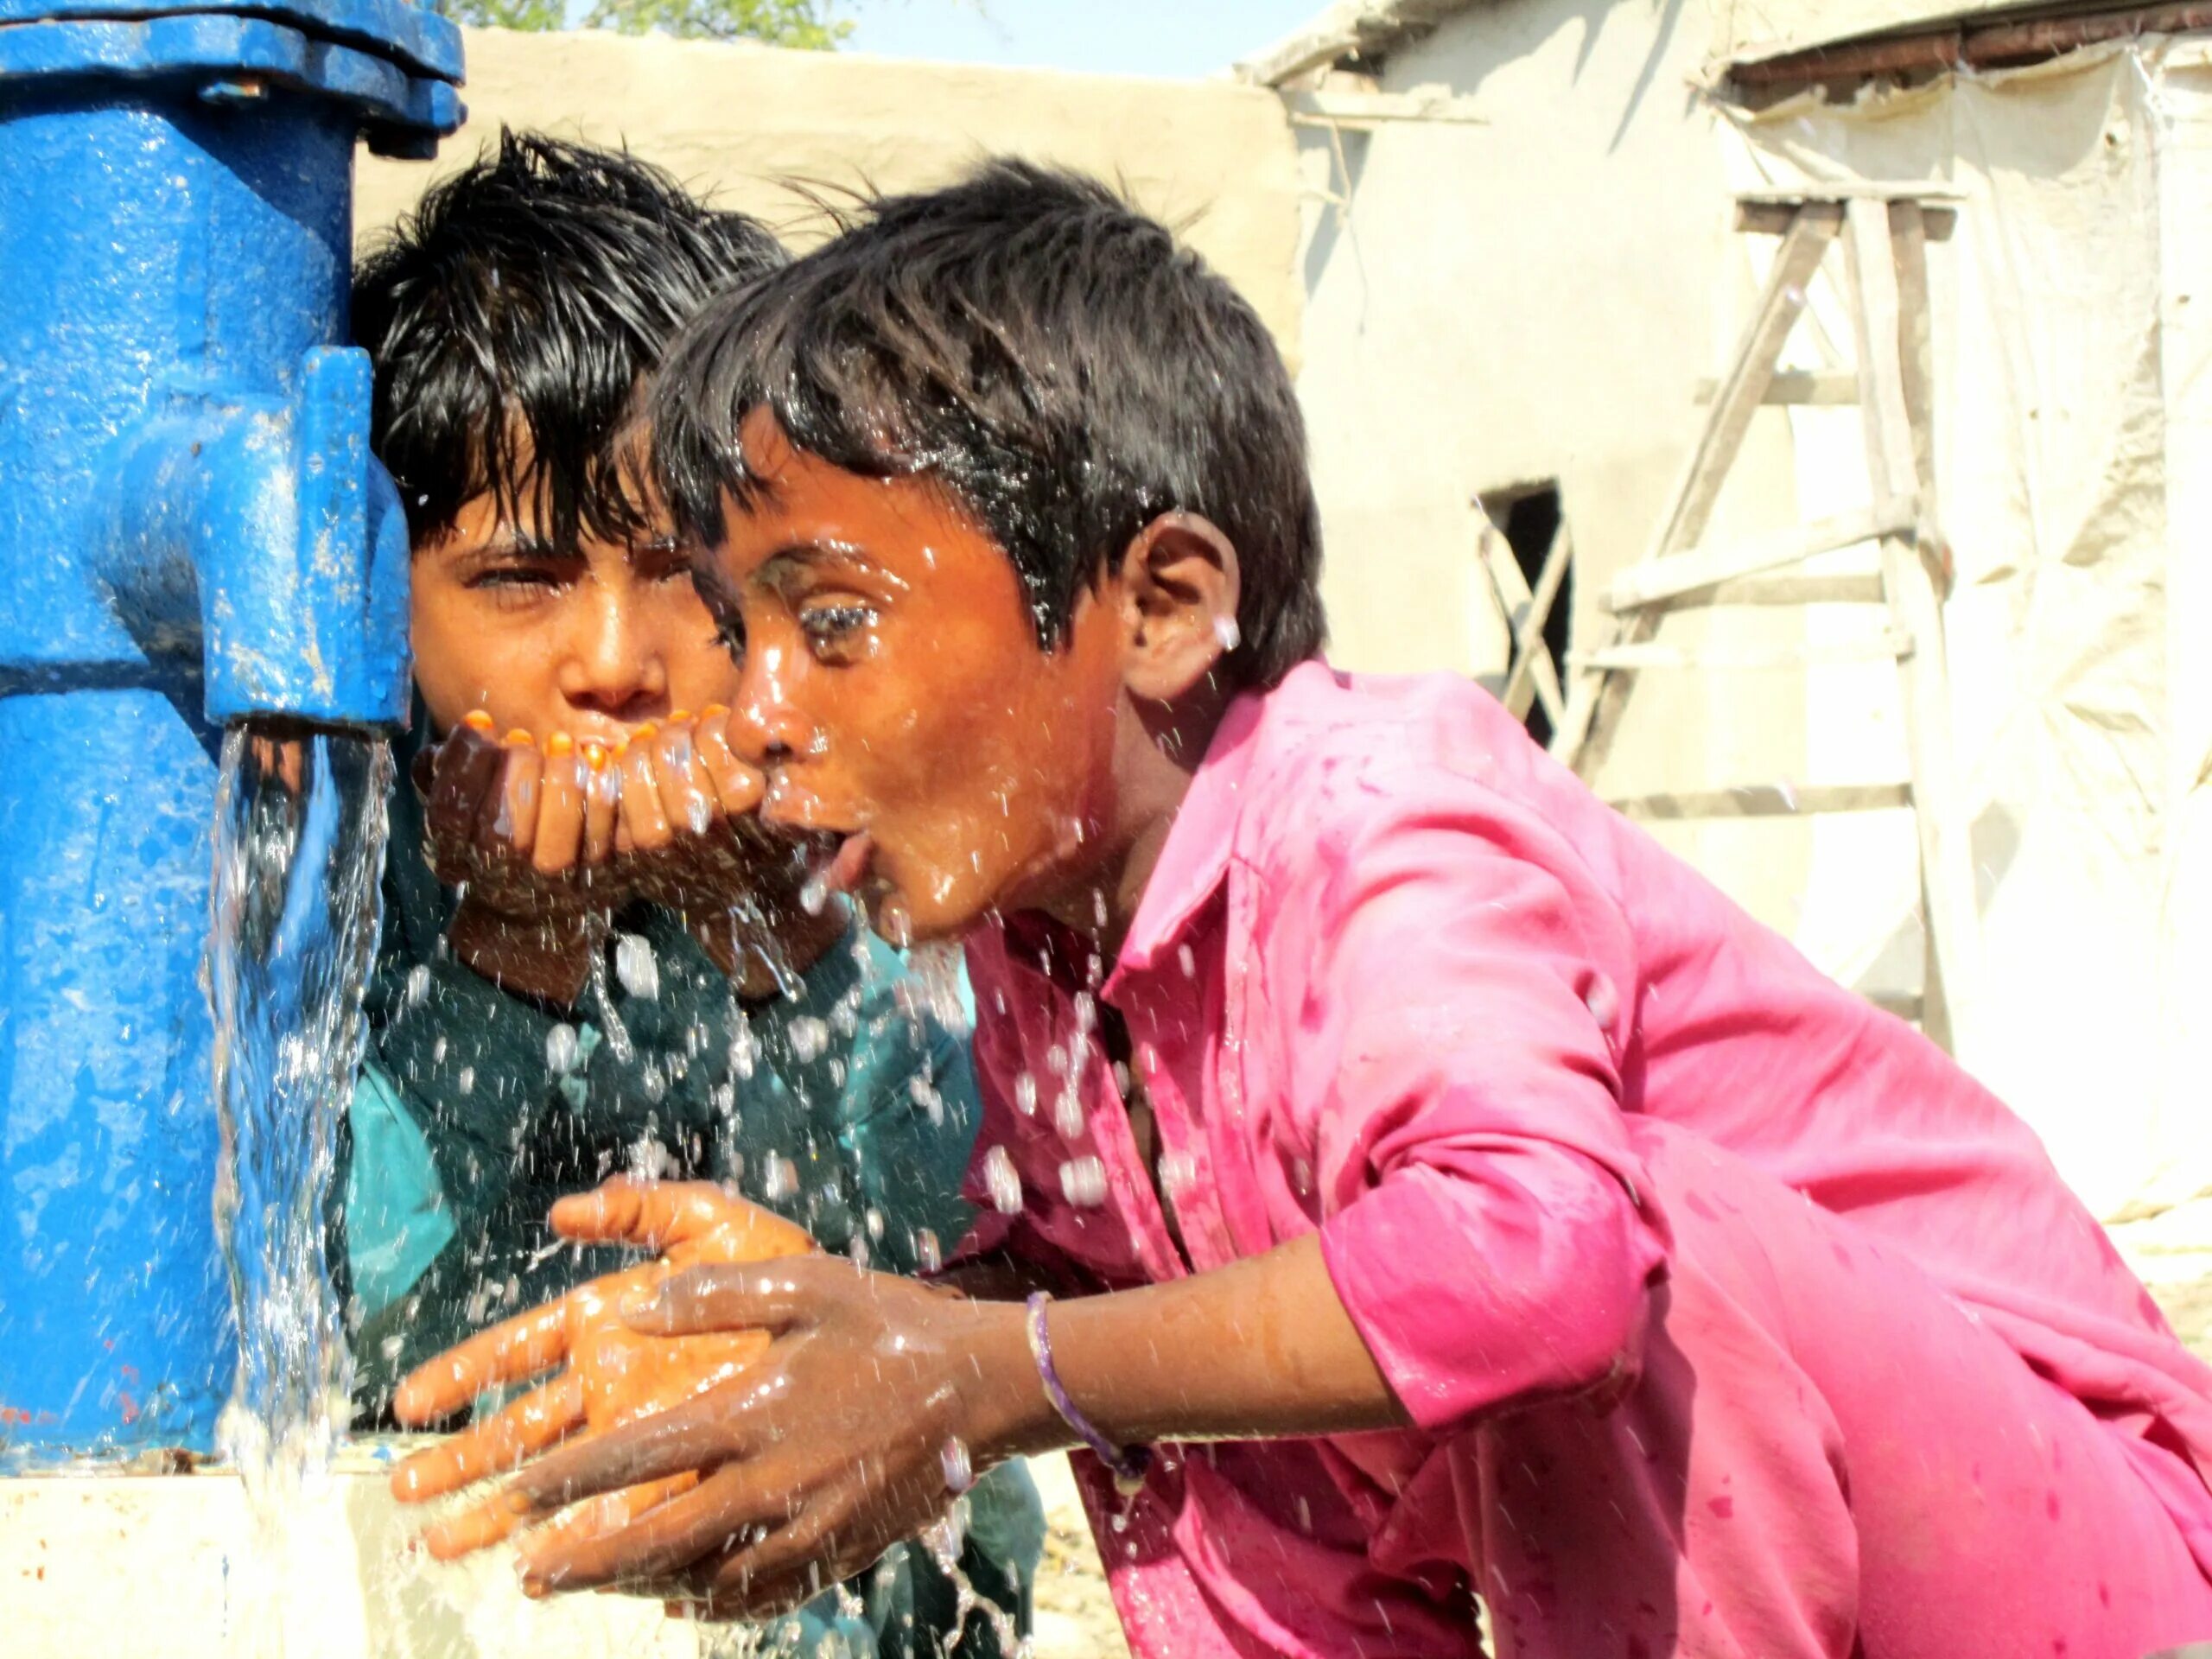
(806, 24)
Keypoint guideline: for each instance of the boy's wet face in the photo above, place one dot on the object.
(591, 641)
(894, 692)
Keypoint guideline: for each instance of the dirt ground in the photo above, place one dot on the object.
(2188, 1308)
(1075, 1615)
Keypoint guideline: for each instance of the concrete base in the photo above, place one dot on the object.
(158, 1567)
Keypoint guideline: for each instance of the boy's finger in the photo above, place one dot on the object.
(595, 1518)
(655, 1214)
(560, 837)
(510, 808)
(737, 786)
(610, 1513)
(497, 1517)
(687, 794)
(717, 1296)
(703, 1432)
(496, 1445)
(602, 802)
(467, 765)
(644, 826)
(508, 1352)
(777, 1574)
(659, 1544)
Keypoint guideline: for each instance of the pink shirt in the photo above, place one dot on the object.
(1399, 978)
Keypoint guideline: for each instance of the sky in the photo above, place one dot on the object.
(1178, 39)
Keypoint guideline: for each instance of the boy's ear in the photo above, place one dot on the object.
(1180, 584)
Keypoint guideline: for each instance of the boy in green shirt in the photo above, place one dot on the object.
(545, 1015)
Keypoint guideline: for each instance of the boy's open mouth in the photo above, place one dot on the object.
(842, 862)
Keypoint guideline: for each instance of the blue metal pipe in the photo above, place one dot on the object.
(192, 531)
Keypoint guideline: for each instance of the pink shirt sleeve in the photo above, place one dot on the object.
(1458, 990)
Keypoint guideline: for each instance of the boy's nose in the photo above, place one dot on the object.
(612, 668)
(766, 726)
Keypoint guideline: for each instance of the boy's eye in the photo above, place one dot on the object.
(516, 583)
(831, 625)
(664, 562)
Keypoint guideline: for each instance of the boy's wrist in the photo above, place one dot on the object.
(548, 957)
(1012, 1416)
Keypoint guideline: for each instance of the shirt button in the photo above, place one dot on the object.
(1600, 999)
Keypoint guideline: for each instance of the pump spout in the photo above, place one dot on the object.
(260, 535)
(192, 531)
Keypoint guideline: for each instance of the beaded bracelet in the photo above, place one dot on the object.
(1127, 1463)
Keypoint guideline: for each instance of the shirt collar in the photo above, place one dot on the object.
(1195, 858)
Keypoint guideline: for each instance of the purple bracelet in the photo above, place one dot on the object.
(1127, 1463)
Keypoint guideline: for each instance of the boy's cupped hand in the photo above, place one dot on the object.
(852, 1431)
(555, 823)
(609, 1374)
(686, 832)
(547, 837)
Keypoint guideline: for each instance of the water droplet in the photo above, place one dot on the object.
(927, 1097)
(1003, 1181)
(959, 1470)
(561, 1049)
(1226, 633)
(809, 1038)
(1083, 1182)
(418, 984)
(778, 1178)
(467, 1082)
(635, 966)
(1025, 1095)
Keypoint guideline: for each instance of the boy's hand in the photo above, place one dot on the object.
(528, 834)
(687, 829)
(614, 1374)
(835, 1444)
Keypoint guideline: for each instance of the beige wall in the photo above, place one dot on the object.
(1534, 295)
(739, 121)
(2072, 408)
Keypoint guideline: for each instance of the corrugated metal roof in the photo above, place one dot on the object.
(1742, 30)
(1747, 30)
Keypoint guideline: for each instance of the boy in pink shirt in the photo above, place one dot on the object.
(1459, 1196)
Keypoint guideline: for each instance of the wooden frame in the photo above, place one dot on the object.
(1885, 230)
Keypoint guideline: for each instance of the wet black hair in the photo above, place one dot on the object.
(1048, 354)
(511, 318)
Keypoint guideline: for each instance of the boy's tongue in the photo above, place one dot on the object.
(849, 867)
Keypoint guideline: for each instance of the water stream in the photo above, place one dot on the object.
(300, 822)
